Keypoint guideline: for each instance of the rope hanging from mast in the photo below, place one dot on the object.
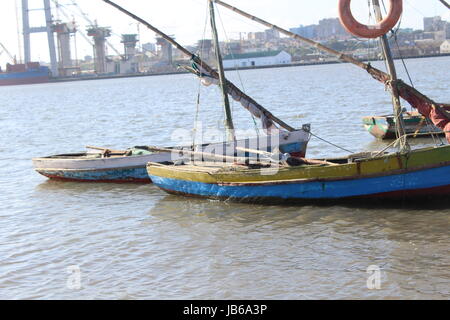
(222, 81)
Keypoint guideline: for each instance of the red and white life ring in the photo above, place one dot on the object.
(365, 31)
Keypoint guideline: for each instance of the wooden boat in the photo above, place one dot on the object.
(403, 174)
(416, 125)
(394, 175)
(129, 166)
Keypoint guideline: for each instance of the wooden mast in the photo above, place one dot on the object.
(222, 81)
(204, 65)
(445, 3)
(399, 123)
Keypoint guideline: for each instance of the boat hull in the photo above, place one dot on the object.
(122, 169)
(383, 127)
(119, 175)
(39, 75)
(423, 174)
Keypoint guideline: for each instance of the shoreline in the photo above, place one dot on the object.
(294, 64)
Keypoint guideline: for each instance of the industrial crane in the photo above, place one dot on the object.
(92, 23)
(13, 59)
(83, 15)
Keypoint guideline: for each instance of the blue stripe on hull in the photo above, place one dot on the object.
(293, 147)
(424, 179)
(41, 72)
(128, 174)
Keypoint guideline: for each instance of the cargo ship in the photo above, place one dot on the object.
(29, 73)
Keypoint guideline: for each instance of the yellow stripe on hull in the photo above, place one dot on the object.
(383, 165)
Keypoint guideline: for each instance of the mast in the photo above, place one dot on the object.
(445, 3)
(204, 65)
(226, 102)
(399, 123)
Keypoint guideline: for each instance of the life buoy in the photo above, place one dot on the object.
(373, 31)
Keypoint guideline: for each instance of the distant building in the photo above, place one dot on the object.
(257, 36)
(234, 47)
(326, 29)
(265, 36)
(331, 29)
(305, 31)
(427, 46)
(440, 36)
(436, 28)
(272, 34)
(255, 59)
(149, 47)
(204, 48)
(432, 24)
(445, 46)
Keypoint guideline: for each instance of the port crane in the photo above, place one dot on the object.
(13, 59)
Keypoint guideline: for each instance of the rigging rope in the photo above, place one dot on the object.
(236, 68)
(331, 143)
(197, 111)
(394, 33)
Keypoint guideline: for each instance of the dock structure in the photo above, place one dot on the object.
(129, 43)
(99, 35)
(166, 50)
(47, 28)
(64, 31)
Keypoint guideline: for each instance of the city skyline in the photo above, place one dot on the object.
(192, 13)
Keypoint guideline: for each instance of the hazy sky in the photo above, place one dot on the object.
(186, 18)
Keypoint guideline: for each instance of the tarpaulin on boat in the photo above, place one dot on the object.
(437, 113)
(207, 79)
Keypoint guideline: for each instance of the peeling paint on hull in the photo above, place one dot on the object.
(422, 183)
(421, 173)
(131, 175)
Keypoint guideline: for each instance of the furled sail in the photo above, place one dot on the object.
(248, 103)
(438, 113)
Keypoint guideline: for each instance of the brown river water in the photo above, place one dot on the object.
(103, 241)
